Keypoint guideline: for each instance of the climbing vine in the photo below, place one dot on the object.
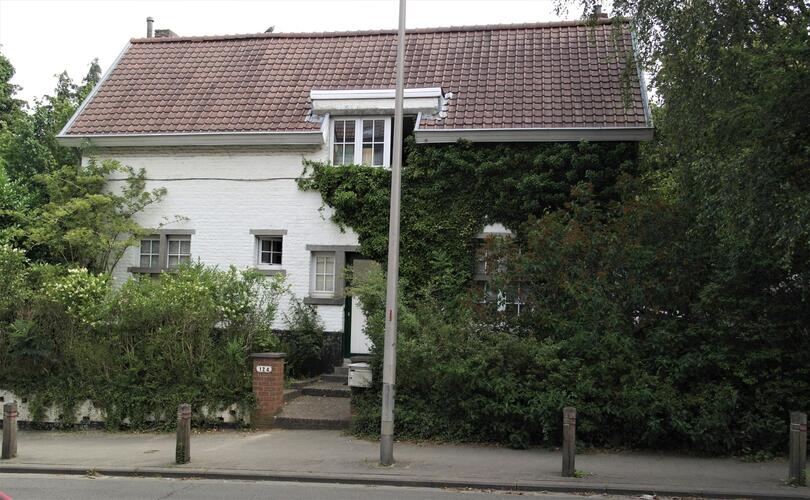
(450, 192)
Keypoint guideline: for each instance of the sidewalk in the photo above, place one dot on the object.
(331, 456)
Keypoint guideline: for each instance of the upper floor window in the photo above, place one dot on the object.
(361, 141)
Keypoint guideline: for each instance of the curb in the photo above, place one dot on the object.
(402, 481)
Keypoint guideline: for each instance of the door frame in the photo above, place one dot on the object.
(347, 309)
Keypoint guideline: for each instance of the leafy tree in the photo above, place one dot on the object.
(30, 147)
(8, 104)
(84, 223)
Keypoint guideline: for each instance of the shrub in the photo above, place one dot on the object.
(643, 348)
(139, 351)
(304, 339)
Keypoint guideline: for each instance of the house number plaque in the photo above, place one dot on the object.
(264, 369)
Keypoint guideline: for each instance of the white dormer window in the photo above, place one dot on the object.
(361, 141)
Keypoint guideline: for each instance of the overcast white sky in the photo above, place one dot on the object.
(44, 37)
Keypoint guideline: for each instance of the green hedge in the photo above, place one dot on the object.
(136, 351)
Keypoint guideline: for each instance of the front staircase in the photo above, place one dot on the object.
(318, 404)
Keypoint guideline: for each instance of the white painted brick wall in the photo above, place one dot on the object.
(259, 193)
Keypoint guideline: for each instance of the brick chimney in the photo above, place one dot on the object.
(597, 12)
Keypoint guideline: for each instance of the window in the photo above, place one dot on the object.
(506, 295)
(362, 141)
(150, 252)
(323, 274)
(343, 148)
(270, 251)
(164, 250)
(374, 142)
(179, 250)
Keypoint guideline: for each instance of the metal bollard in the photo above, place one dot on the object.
(9, 431)
(569, 445)
(798, 449)
(183, 451)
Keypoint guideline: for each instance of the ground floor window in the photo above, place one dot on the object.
(270, 250)
(163, 250)
(150, 252)
(179, 250)
(323, 274)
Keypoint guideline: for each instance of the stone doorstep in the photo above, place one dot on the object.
(328, 389)
(331, 377)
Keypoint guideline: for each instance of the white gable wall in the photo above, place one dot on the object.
(253, 189)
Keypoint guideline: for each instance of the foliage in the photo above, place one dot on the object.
(304, 340)
(30, 147)
(450, 192)
(614, 323)
(84, 223)
(734, 81)
(137, 351)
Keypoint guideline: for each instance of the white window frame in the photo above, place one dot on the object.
(179, 238)
(154, 254)
(313, 277)
(266, 265)
(358, 138)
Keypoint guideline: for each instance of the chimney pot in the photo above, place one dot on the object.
(149, 22)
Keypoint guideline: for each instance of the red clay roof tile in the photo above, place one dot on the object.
(553, 75)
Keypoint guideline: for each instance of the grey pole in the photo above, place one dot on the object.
(390, 349)
(798, 449)
(9, 431)
(569, 446)
(182, 453)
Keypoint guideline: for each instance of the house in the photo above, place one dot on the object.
(224, 123)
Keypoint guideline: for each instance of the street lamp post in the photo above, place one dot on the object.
(390, 347)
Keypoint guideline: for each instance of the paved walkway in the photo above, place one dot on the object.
(331, 456)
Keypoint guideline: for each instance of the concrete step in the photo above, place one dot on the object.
(361, 358)
(290, 394)
(328, 389)
(331, 377)
(315, 412)
(341, 370)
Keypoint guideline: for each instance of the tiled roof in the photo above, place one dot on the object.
(554, 75)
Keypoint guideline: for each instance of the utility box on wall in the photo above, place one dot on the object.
(359, 375)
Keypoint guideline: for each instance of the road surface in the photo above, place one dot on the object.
(41, 486)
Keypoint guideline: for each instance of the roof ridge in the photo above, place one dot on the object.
(440, 29)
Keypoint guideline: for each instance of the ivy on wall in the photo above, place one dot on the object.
(450, 192)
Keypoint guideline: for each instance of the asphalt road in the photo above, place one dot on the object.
(40, 486)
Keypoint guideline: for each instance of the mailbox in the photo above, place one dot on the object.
(359, 375)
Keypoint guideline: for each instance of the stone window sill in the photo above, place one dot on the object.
(324, 301)
(150, 270)
(270, 272)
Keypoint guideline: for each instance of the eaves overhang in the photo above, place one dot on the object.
(315, 137)
(429, 101)
(608, 134)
